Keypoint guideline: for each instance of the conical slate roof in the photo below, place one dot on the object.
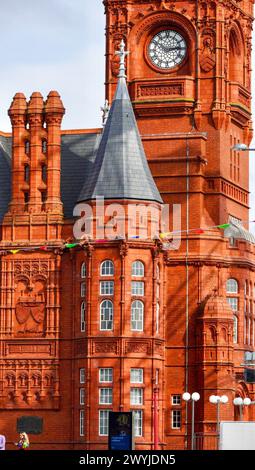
(121, 170)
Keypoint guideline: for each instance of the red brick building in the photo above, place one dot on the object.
(115, 324)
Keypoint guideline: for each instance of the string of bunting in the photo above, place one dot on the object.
(164, 235)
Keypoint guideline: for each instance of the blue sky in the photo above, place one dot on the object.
(59, 45)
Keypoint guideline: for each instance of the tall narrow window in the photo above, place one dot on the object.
(137, 315)
(83, 270)
(138, 269)
(105, 396)
(81, 422)
(157, 318)
(107, 268)
(27, 147)
(82, 375)
(232, 286)
(26, 197)
(103, 422)
(44, 146)
(106, 315)
(83, 322)
(176, 419)
(136, 396)
(82, 396)
(138, 423)
(44, 173)
(83, 289)
(26, 173)
(235, 329)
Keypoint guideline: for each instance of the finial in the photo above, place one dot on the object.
(122, 53)
(105, 110)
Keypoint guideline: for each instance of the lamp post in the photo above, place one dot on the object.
(216, 400)
(238, 401)
(194, 397)
(242, 148)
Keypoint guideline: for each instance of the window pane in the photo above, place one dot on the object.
(82, 376)
(176, 419)
(83, 270)
(136, 396)
(137, 288)
(83, 323)
(232, 286)
(176, 399)
(83, 289)
(136, 376)
(81, 422)
(106, 315)
(103, 422)
(105, 396)
(138, 269)
(106, 288)
(137, 309)
(105, 375)
(107, 268)
(233, 302)
(138, 423)
(82, 396)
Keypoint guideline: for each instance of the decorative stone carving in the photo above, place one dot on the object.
(138, 347)
(207, 57)
(30, 314)
(106, 347)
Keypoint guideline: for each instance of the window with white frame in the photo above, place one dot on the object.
(138, 422)
(103, 422)
(105, 396)
(83, 270)
(83, 321)
(105, 375)
(235, 329)
(232, 286)
(136, 396)
(137, 288)
(81, 422)
(248, 330)
(82, 376)
(136, 376)
(106, 315)
(106, 287)
(82, 396)
(137, 315)
(176, 419)
(83, 289)
(176, 400)
(107, 268)
(233, 302)
(137, 269)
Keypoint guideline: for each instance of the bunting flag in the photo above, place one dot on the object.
(71, 245)
(14, 251)
(44, 248)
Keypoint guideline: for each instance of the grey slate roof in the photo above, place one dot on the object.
(77, 157)
(5, 174)
(121, 170)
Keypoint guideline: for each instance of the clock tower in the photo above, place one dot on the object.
(189, 74)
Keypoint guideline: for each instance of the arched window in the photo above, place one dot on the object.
(232, 286)
(235, 330)
(138, 269)
(83, 322)
(44, 146)
(236, 57)
(107, 268)
(106, 315)
(83, 270)
(27, 147)
(137, 315)
(26, 173)
(83, 289)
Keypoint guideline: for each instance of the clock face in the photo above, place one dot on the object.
(167, 49)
